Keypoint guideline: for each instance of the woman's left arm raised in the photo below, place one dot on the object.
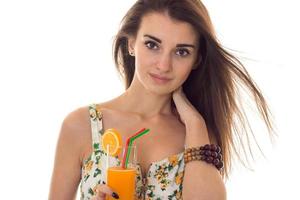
(202, 181)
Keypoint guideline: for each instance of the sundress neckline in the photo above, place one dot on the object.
(158, 162)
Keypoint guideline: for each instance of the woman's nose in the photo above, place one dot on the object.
(164, 63)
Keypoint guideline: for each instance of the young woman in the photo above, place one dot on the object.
(183, 86)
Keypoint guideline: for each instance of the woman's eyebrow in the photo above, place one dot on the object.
(153, 38)
(159, 41)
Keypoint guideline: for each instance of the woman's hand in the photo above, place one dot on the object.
(196, 130)
(187, 112)
(102, 191)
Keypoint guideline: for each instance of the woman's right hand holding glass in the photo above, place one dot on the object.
(102, 190)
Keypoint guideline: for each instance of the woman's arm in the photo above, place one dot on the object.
(202, 181)
(67, 165)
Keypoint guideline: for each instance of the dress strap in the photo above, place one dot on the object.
(96, 126)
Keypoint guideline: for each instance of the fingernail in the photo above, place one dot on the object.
(115, 195)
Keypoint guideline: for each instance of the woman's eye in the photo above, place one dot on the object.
(151, 45)
(182, 52)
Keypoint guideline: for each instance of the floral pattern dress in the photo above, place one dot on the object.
(163, 181)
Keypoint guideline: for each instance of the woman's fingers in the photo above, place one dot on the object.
(102, 190)
(187, 112)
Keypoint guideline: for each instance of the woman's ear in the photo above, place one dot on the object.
(131, 44)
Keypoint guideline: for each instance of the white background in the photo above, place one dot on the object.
(56, 56)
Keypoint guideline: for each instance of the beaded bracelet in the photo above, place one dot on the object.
(209, 153)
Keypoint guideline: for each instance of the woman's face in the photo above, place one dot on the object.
(165, 51)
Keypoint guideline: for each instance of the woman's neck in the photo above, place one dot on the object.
(145, 103)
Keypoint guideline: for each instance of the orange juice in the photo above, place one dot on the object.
(122, 181)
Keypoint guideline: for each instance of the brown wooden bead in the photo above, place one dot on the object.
(207, 153)
(218, 149)
(216, 161)
(214, 154)
(209, 159)
(220, 165)
(207, 147)
(213, 147)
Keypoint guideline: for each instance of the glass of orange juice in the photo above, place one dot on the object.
(121, 180)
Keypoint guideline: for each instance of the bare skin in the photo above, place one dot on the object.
(170, 132)
(154, 147)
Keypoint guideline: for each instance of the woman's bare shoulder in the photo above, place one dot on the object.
(75, 128)
(77, 120)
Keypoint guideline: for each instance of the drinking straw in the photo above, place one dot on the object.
(126, 146)
(129, 144)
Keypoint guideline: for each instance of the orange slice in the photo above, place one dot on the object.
(112, 138)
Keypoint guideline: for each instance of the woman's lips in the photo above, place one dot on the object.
(159, 79)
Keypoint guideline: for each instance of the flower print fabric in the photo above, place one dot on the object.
(163, 180)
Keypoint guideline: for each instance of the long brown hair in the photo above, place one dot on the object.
(213, 87)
